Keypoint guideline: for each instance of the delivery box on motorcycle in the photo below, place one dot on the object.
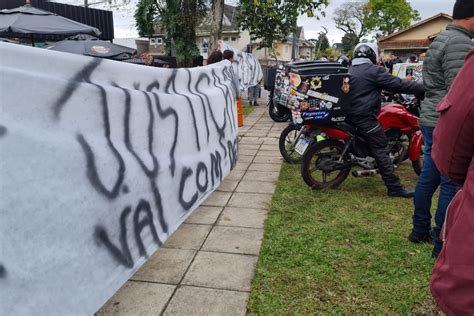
(314, 91)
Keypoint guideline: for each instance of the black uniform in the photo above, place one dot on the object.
(367, 83)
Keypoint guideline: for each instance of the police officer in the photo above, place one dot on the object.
(368, 81)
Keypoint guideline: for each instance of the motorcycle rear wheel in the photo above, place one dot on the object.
(287, 143)
(277, 112)
(319, 153)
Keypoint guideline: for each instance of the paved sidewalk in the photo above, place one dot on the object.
(207, 265)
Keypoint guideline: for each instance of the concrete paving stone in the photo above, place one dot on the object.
(248, 147)
(138, 298)
(235, 174)
(265, 176)
(221, 271)
(234, 240)
(165, 266)
(265, 159)
(188, 236)
(251, 140)
(270, 147)
(260, 129)
(244, 158)
(228, 185)
(218, 198)
(256, 187)
(269, 153)
(243, 217)
(251, 200)
(206, 215)
(247, 152)
(189, 300)
(277, 134)
(241, 166)
(264, 167)
(256, 134)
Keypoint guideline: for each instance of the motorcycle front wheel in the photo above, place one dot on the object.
(321, 154)
(277, 112)
(287, 143)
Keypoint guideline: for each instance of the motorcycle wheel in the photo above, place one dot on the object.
(287, 143)
(277, 112)
(318, 153)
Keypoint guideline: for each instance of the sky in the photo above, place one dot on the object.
(125, 24)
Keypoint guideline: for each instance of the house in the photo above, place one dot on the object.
(415, 39)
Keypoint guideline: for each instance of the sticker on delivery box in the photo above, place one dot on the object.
(323, 96)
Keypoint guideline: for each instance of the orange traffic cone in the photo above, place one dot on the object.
(240, 113)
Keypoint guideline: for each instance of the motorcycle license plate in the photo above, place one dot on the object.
(301, 146)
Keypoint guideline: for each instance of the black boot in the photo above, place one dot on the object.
(418, 239)
(401, 192)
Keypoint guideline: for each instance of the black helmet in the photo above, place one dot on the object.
(344, 61)
(365, 51)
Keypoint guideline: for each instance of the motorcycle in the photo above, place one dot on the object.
(296, 138)
(327, 164)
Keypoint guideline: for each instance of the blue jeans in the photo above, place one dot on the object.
(429, 181)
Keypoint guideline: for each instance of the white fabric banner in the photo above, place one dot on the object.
(100, 161)
(246, 66)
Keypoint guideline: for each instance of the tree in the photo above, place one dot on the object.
(145, 17)
(390, 16)
(274, 20)
(178, 18)
(354, 19)
(323, 42)
(349, 42)
(216, 23)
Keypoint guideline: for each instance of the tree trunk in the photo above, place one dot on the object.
(216, 23)
(188, 37)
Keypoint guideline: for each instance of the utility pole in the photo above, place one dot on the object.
(86, 3)
(293, 47)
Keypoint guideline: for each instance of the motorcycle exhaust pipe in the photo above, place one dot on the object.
(365, 173)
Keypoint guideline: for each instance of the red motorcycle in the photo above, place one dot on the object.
(326, 164)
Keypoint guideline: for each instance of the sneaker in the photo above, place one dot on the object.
(403, 193)
(255, 103)
(418, 239)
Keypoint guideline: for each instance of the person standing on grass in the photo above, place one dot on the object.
(368, 81)
(452, 283)
(444, 59)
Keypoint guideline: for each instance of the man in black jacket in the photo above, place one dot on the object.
(368, 81)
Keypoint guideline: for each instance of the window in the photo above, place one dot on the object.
(225, 39)
(286, 49)
(233, 39)
(156, 41)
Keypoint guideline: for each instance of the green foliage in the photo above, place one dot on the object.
(178, 19)
(323, 42)
(349, 41)
(390, 16)
(145, 17)
(274, 20)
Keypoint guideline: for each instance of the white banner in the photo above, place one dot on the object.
(100, 161)
(246, 66)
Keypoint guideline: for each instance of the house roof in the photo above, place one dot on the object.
(443, 15)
